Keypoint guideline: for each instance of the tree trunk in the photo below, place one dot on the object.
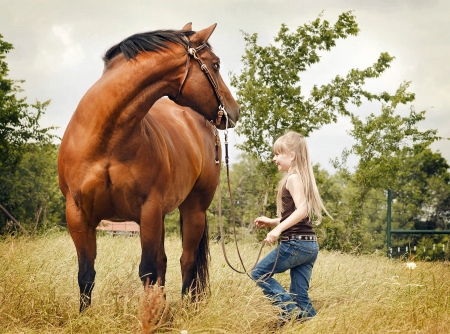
(13, 219)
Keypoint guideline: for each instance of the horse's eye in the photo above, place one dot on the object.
(217, 66)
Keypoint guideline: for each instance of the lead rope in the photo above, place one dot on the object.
(222, 239)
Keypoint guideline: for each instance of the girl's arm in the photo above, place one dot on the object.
(293, 185)
(266, 222)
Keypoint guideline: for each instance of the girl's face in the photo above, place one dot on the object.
(283, 160)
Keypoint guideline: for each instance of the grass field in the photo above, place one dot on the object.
(352, 294)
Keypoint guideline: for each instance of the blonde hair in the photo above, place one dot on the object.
(301, 165)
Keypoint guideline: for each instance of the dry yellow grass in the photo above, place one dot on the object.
(352, 294)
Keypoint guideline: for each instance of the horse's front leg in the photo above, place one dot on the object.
(84, 237)
(151, 235)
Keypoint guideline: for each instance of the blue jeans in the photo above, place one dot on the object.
(298, 256)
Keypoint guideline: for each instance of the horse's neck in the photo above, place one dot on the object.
(121, 98)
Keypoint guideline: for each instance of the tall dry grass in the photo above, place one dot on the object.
(352, 294)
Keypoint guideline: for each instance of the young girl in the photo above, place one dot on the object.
(298, 203)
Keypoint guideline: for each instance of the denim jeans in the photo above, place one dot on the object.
(298, 256)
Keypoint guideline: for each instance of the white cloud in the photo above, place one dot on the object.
(63, 33)
(73, 52)
(73, 55)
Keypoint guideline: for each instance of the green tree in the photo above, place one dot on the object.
(381, 144)
(18, 126)
(269, 91)
(421, 190)
(271, 97)
(333, 189)
(35, 197)
(421, 201)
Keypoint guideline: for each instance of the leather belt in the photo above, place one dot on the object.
(311, 237)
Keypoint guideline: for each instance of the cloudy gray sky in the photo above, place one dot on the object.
(59, 45)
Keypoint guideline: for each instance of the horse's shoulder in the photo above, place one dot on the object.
(172, 116)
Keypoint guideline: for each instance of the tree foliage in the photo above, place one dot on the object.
(269, 91)
(19, 126)
(35, 198)
(422, 201)
(380, 140)
(382, 143)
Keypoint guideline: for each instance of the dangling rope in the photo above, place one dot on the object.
(245, 271)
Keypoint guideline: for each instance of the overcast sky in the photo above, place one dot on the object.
(59, 44)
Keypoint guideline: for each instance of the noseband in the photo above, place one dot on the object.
(192, 52)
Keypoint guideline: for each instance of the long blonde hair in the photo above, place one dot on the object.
(301, 165)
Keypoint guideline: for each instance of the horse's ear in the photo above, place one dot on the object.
(187, 26)
(202, 36)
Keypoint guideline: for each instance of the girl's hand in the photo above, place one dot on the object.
(272, 236)
(263, 221)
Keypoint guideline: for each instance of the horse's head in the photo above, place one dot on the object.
(202, 87)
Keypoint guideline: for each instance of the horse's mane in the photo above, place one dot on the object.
(156, 40)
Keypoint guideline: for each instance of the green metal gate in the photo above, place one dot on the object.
(389, 231)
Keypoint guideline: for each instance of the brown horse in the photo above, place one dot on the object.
(120, 161)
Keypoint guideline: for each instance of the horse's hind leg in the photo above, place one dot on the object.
(84, 237)
(162, 260)
(195, 256)
(151, 242)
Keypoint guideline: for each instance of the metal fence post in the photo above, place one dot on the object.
(388, 218)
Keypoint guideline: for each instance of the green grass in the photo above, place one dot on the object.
(352, 294)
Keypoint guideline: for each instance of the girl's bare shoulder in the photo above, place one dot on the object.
(292, 181)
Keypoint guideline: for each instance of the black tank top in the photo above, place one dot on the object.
(303, 227)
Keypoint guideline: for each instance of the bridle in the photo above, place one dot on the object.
(193, 52)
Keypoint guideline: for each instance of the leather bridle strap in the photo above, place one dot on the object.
(192, 52)
(188, 64)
